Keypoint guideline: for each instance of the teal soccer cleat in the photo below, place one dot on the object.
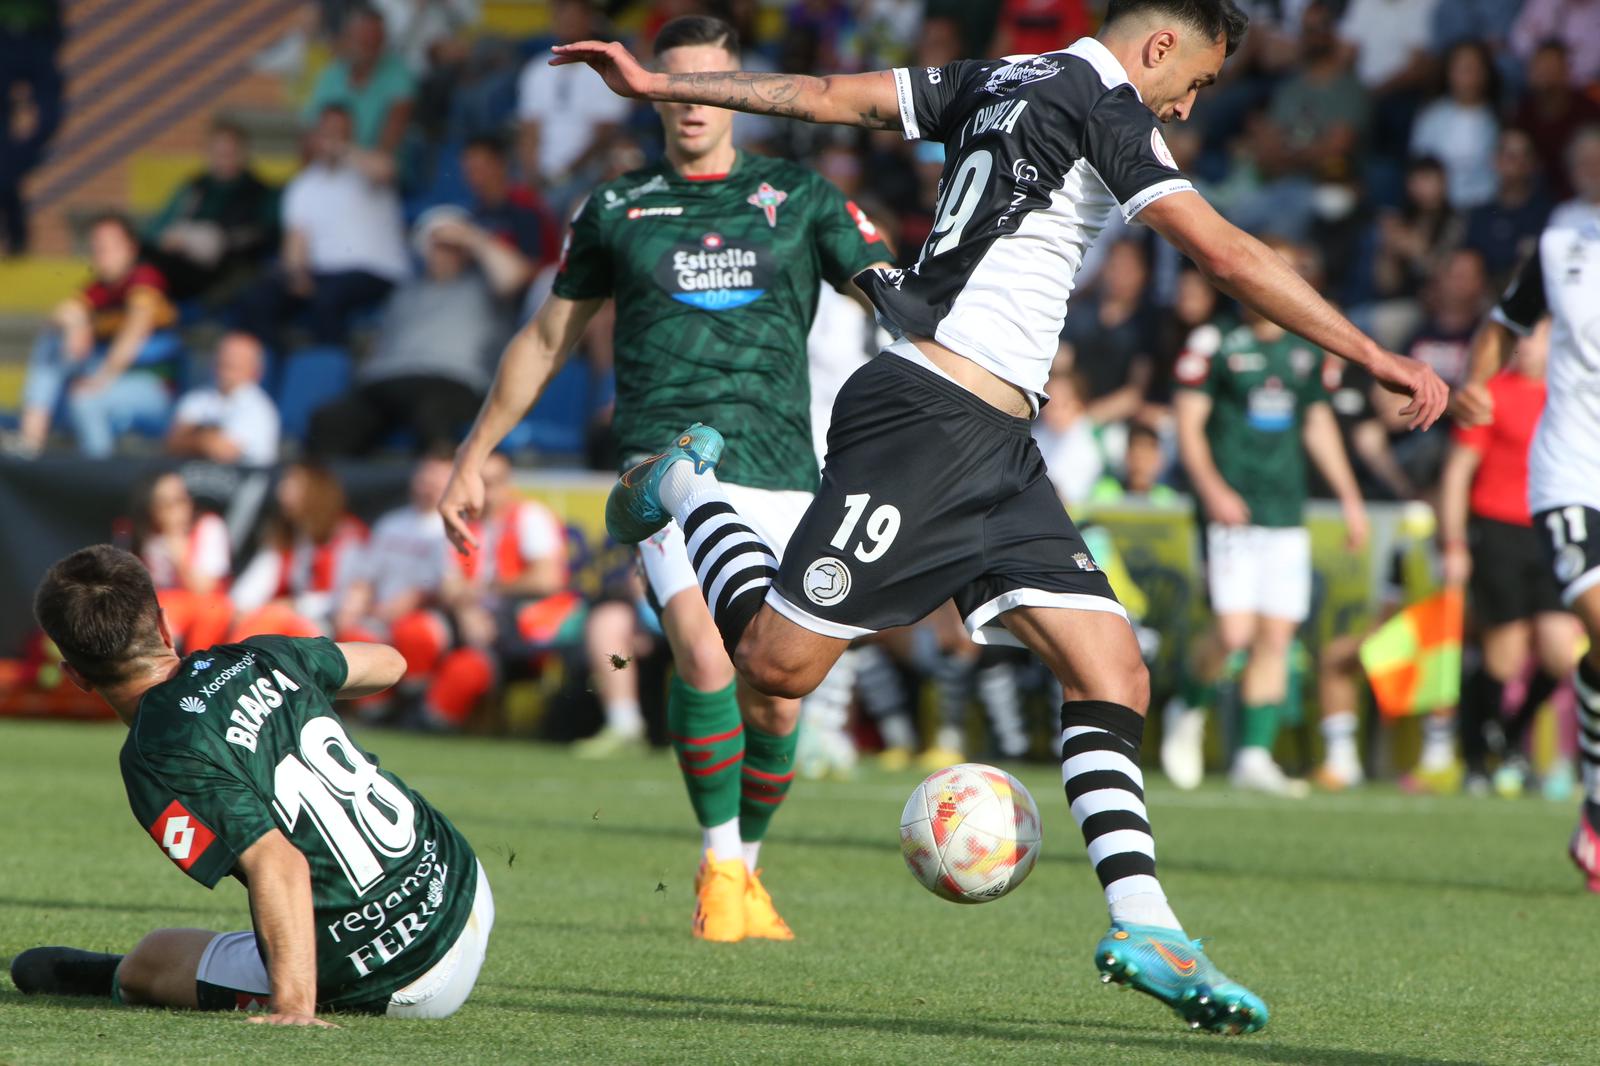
(1169, 966)
(633, 510)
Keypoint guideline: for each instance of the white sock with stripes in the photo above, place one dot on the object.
(1100, 745)
(733, 563)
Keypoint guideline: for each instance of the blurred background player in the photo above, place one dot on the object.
(1251, 408)
(1491, 548)
(1564, 462)
(714, 258)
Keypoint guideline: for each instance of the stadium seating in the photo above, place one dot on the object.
(307, 380)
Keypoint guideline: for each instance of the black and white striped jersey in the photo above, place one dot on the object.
(1562, 280)
(1039, 150)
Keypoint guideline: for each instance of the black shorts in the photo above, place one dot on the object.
(1571, 538)
(1510, 574)
(929, 492)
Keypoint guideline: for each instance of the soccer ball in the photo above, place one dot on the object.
(970, 833)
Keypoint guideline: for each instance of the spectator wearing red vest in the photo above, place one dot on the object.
(1491, 547)
(310, 555)
(189, 559)
(502, 607)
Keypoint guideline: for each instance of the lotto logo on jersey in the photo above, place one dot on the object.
(714, 275)
(181, 835)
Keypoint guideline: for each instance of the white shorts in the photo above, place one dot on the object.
(233, 961)
(1257, 570)
(772, 514)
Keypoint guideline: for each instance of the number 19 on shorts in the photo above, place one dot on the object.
(881, 528)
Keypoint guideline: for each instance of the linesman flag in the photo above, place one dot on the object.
(1413, 661)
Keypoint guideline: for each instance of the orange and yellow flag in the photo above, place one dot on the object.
(1413, 661)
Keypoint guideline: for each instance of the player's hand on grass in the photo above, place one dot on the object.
(462, 502)
(308, 1021)
(1410, 377)
(1472, 405)
(612, 62)
(1227, 508)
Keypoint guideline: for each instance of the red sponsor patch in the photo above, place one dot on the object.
(181, 835)
(1192, 368)
(869, 230)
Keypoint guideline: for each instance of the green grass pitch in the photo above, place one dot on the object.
(1383, 930)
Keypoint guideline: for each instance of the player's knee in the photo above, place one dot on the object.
(704, 666)
(140, 970)
(1137, 693)
(784, 677)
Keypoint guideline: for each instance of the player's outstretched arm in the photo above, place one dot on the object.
(529, 362)
(1258, 277)
(866, 100)
(370, 668)
(279, 879)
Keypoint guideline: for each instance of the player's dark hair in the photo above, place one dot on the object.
(690, 30)
(99, 606)
(1219, 20)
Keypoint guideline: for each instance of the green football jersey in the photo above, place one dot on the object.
(243, 740)
(1260, 391)
(716, 285)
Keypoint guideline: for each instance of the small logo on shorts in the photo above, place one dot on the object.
(827, 581)
(1569, 563)
(1084, 562)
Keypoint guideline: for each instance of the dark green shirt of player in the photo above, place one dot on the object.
(243, 740)
(1259, 391)
(716, 285)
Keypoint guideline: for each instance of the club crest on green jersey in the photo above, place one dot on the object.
(769, 200)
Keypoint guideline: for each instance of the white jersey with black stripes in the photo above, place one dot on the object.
(1563, 280)
(1040, 151)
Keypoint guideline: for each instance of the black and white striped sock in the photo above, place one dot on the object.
(733, 563)
(1100, 745)
(1588, 690)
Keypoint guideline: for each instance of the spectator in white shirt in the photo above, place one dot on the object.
(343, 239)
(1460, 128)
(233, 421)
(567, 116)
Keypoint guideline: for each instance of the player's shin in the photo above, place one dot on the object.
(709, 740)
(734, 565)
(1100, 745)
(768, 772)
(1588, 689)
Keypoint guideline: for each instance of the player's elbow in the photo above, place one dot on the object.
(388, 666)
(1224, 261)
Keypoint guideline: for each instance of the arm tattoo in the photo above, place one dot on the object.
(762, 94)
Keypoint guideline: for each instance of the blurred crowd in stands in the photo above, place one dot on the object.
(1406, 152)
